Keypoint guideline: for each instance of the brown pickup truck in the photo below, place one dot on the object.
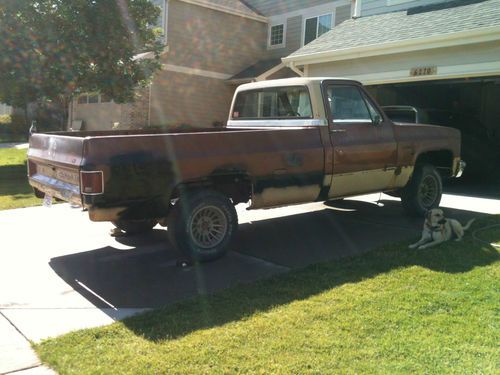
(286, 142)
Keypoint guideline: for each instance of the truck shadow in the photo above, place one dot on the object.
(324, 249)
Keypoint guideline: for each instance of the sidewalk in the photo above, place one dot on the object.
(16, 355)
(16, 145)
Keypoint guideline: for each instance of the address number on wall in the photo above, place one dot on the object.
(423, 71)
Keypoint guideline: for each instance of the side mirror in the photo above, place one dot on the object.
(377, 120)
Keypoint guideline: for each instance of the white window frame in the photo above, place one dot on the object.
(274, 46)
(164, 19)
(302, 42)
(87, 96)
(81, 96)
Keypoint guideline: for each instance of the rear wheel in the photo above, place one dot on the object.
(135, 226)
(423, 192)
(202, 224)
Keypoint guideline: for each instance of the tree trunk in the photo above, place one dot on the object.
(63, 104)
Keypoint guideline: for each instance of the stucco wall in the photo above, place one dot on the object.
(189, 99)
(101, 116)
(206, 39)
(210, 41)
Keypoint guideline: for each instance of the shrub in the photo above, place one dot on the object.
(19, 125)
(5, 119)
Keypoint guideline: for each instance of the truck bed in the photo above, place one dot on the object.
(142, 168)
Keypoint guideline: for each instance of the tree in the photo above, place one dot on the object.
(51, 50)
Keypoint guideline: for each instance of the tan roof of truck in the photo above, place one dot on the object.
(299, 81)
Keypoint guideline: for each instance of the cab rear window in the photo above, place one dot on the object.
(273, 103)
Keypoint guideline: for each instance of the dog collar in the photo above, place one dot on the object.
(435, 228)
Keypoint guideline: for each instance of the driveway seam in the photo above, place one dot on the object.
(13, 325)
(20, 370)
(261, 260)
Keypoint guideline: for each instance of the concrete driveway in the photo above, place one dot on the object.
(60, 272)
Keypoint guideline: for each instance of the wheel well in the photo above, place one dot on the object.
(237, 187)
(442, 160)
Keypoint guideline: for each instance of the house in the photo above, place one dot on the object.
(442, 57)
(212, 46)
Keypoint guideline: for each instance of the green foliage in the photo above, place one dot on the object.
(14, 124)
(15, 192)
(53, 49)
(5, 119)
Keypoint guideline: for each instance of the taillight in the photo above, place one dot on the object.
(92, 183)
(31, 168)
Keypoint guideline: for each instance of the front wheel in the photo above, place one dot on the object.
(202, 224)
(423, 192)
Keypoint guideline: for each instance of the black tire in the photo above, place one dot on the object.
(423, 192)
(202, 224)
(135, 226)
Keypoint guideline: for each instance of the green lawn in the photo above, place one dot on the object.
(15, 191)
(393, 310)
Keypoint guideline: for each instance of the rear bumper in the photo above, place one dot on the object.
(56, 188)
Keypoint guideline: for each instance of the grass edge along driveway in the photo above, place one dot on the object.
(15, 192)
(393, 310)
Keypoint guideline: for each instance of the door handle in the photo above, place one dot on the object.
(338, 130)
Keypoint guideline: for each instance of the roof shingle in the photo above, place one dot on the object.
(256, 70)
(406, 25)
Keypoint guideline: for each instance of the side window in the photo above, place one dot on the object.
(273, 103)
(347, 105)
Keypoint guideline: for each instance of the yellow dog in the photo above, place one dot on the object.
(438, 229)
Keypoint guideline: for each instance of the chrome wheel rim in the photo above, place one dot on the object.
(428, 191)
(208, 227)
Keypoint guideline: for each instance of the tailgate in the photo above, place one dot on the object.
(54, 165)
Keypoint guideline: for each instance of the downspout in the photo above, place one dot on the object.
(149, 104)
(70, 117)
(356, 9)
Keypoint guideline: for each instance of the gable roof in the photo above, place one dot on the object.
(415, 27)
(235, 7)
(256, 70)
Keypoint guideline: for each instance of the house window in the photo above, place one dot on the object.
(162, 19)
(317, 26)
(277, 35)
(83, 99)
(93, 98)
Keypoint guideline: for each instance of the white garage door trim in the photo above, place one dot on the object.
(443, 72)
